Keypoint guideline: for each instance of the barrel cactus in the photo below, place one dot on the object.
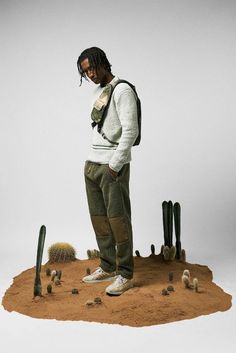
(61, 252)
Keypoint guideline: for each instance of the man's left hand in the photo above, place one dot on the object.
(113, 173)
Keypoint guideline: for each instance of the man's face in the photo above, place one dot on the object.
(97, 76)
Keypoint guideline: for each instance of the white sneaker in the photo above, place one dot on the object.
(99, 276)
(119, 285)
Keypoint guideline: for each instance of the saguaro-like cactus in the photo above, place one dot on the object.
(165, 222)
(177, 229)
(168, 250)
(37, 282)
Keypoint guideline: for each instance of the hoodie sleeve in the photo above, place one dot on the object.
(126, 106)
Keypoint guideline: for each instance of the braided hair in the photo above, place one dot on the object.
(96, 58)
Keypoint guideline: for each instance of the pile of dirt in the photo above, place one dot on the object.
(143, 305)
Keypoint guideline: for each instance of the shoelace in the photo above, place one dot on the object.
(120, 279)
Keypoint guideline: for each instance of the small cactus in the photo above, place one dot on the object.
(92, 254)
(186, 281)
(74, 291)
(162, 248)
(57, 281)
(88, 271)
(186, 273)
(171, 276)
(59, 274)
(164, 292)
(166, 253)
(49, 288)
(170, 288)
(172, 253)
(48, 272)
(89, 302)
(137, 253)
(61, 252)
(89, 254)
(152, 249)
(98, 300)
(53, 275)
(183, 255)
(195, 284)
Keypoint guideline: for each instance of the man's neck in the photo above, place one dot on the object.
(109, 77)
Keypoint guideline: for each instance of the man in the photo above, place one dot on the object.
(107, 172)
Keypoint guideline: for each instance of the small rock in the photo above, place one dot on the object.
(75, 291)
(171, 276)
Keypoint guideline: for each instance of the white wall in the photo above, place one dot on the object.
(181, 57)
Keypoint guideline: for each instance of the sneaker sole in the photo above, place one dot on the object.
(118, 293)
(98, 280)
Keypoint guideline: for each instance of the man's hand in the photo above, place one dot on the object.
(113, 173)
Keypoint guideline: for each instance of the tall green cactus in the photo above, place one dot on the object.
(177, 229)
(170, 223)
(165, 222)
(37, 282)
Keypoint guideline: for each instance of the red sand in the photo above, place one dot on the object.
(142, 305)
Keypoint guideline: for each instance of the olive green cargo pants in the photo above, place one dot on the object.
(110, 213)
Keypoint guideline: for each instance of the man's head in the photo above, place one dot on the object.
(93, 64)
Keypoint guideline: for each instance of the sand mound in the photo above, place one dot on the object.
(142, 305)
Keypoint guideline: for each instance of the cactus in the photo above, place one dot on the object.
(152, 249)
(53, 275)
(170, 224)
(49, 288)
(61, 252)
(89, 302)
(37, 281)
(165, 222)
(170, 288)
(88, 271)
(183, 255)
(57, 281)
(92, 254)
(165, 291)
(166, 253)
(172, 252)
(59, 274)
(137, 253)
(74, 291)
(186, 281)
(186, 273)
(48, 272)
(177, 229)
(89, 254)
(98, 300)
(195, 284)
(171, 276)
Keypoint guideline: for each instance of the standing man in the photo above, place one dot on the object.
(107, 172)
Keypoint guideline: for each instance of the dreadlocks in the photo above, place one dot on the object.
(96, 57)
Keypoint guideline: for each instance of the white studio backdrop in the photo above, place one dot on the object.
(181, 57)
